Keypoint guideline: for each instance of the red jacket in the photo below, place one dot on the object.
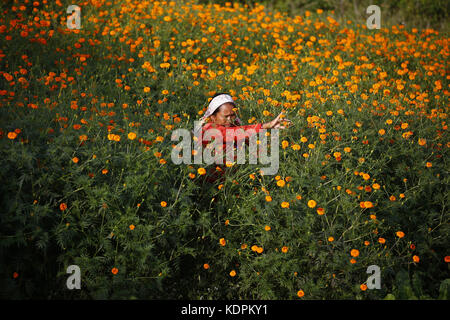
(215, 174)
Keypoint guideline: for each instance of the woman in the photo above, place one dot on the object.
(222, 116)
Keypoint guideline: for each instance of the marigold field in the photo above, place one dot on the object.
(87, 179)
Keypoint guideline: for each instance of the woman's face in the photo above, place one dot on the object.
(225, 116)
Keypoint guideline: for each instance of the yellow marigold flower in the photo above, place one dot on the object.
(132, 136)
(285, 204)
(222, 242)
(312, 203)
(201, 171)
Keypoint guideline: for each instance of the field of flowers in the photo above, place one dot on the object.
(87, 179)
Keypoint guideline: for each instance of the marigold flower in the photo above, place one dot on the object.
(222, 242)
(281, 183)
(354, 253)
(285, 204)
(201, 171)
(163, 204)
(381, 240)
(268, 198)
(131, 227)
(232, 273)
(206, 266)
(320, 211)
(63, 206)
(114, 270)
(363, 287)
(400, 234)
(75, 159)
(132, 136)
(284, 249)
(300, 293)
(267, 228)
(447, 259)
(312, 203)
(416, 259)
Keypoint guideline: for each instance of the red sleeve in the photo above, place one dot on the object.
(240, 135)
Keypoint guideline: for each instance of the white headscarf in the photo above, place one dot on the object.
(215, 104)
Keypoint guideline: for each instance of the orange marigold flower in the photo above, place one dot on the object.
(131, 226)
(63, 206)
(201, 171)
(232, 273)
(132, 136)
(400, 234)
(285, 204)
(222, 242)
(284, 249)
(429, 164)
(163, 204)
(75, 159)
(267, 228)
(363, 287)
(368, 204)
(416, 259)
(12, 135)
(312, 203)
(422, 142)
(447, 259)
(268, 198)
(354, 253)
(114, 270)
(330, 239)
(381, 240)
(206, 266)
(320, 211)
(300, 293)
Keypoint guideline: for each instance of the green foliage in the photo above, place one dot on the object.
(139, 227)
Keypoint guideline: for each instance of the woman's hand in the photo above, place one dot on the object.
(278, 123)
